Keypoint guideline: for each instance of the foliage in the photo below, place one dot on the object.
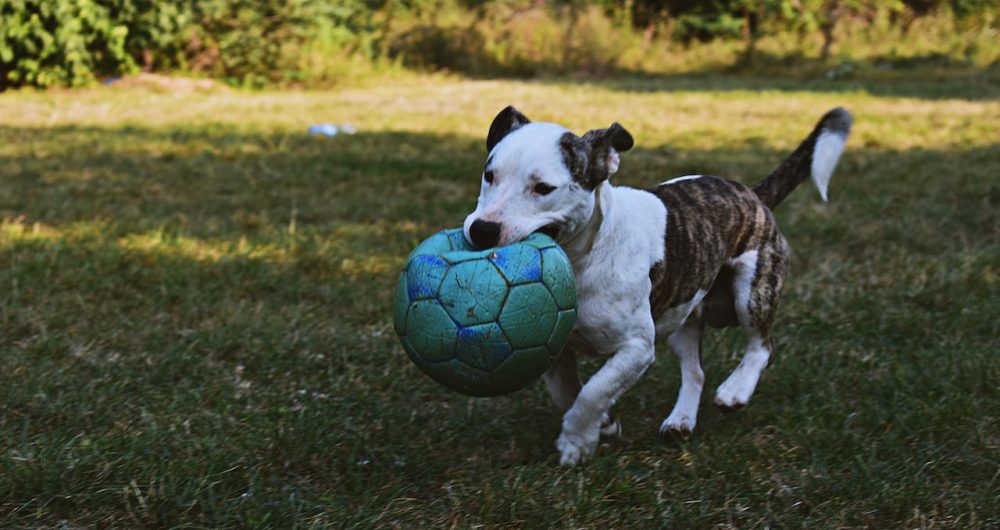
(67, 43)
(71, 42)
(254, 42)
(195, 314)
(317, 42)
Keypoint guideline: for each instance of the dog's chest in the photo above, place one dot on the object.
(610, 309)
(612, 276)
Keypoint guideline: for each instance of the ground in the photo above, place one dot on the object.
(195, 328)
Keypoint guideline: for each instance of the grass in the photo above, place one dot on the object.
(195, 327)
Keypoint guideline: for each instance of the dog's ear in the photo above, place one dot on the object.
(604, 145)
(506, 122)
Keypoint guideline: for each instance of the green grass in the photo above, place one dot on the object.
(195, 327)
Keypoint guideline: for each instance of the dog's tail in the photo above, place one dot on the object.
(816, 156)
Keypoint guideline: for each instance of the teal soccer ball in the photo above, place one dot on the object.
(485, 322)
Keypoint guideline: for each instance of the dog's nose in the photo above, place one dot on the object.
(484, 234)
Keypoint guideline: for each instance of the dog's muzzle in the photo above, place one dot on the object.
(484, 234)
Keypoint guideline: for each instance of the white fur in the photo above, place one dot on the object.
(681, 179)
(614, 160)
(613, 236)
(530, 154)
(610, 427)
(612, 269)
(686, 342)
(735, 392)
(744, 269)
(673, 317)
(826, 153)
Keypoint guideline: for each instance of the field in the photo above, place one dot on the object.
(195, 329)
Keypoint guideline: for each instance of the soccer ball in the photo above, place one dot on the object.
(485, 322)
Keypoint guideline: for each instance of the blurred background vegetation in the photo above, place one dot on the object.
(316, 43)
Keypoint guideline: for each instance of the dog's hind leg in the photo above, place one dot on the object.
(686, 343)
(757, 279)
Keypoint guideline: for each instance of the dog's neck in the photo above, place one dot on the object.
(579, 242)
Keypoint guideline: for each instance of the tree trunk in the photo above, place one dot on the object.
(750, 33)
(567, 56)
(828, 26)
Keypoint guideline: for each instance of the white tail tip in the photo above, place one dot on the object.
(826, 153)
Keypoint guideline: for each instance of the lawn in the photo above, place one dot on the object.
(195, 329)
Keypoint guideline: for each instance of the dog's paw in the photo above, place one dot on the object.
(577, 447)
(729, 406)
(678, 424)
(733, 394)
(611, 428)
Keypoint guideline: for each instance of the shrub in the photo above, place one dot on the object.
(311, 42)
(73, 42)
(60, 43)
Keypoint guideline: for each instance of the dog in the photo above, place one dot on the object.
(649, 264)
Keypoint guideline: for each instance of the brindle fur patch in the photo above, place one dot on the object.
(576, 156)
(587, 157)
(709, 222)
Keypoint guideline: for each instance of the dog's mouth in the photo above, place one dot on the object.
(551, 230)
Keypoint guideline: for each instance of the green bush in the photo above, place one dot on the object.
(252, 42)
(60, 43)
(319, 42)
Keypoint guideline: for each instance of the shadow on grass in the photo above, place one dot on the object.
(218, 180)
(970, 87)
(930, 76)
(196, 331)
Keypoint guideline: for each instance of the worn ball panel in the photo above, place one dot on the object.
(458, 256)
(463, 378)
(561, 331)
(529, 315)
(436, 245)
(431, 331)
(485, 322)
(557, 275)
(518, 263)
(457, 238)
(473, 292)
(484, 347)
(527, 361)
(423, 276)
(412, 353)
(540, 241)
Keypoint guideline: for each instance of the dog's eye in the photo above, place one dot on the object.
(488, 177)
(542, 188)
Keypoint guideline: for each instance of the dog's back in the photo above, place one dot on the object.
(716, 226)
(710, 221)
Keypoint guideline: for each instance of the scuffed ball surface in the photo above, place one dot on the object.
(485, 322)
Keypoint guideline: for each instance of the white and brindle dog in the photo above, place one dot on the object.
(656, 263)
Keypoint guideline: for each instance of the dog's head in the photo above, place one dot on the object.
(540, 177)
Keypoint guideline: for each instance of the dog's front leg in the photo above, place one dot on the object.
(581, 427)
